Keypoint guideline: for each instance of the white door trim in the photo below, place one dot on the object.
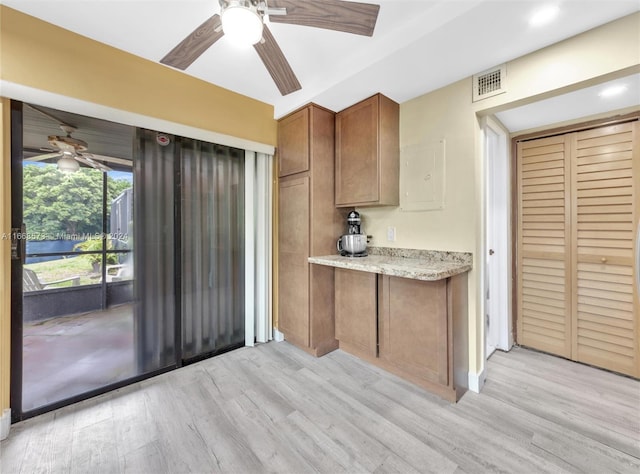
(497, 268)
(249, 249)
(258, 243)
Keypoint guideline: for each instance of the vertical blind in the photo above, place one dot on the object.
(154, 285)
(213, 250)
(191, 222)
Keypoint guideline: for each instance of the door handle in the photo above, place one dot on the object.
(19, 243)
(491, 252)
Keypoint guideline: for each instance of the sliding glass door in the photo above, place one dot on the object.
(93, 307)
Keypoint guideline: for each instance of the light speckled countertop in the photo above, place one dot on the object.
(426, 265)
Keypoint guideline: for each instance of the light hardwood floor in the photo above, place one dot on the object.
(274, 408)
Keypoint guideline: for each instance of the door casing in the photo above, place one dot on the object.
(497, 257)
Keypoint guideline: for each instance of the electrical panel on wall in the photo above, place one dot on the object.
(422, 176)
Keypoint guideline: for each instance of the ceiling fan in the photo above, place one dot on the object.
(246, 18)
(70, 152)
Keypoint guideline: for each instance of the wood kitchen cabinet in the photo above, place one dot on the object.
(413, 328)
(356, 310)
(293, 269)
(423, 332)
(293, 143)
(368, 153)
(308, 225)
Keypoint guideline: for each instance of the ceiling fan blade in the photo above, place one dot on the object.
(109, 159)
(198, 41)
(276, 63)
(44, 157)
(89, 162)
(338, 15)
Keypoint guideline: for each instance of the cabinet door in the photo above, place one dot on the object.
(293, 267)
(357, 154)
(544, 245)
(293, 143)
(413, 324)
(605, 217)
(356, 310)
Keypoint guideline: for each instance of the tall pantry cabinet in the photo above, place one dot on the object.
(578, 251)
(308, 225)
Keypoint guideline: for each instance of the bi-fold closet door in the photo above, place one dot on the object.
(578, 209)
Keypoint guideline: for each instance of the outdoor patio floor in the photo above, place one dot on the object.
(70, 355)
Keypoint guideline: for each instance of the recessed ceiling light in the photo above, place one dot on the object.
(613, 91)
(544, 15)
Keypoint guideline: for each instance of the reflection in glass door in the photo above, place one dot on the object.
(77, 277)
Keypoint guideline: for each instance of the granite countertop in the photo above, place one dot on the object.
(426, 265)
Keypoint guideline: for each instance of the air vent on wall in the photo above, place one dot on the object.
(489, 83)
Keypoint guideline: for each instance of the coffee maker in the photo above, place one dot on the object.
(354, 243)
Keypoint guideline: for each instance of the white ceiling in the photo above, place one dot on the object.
(582, 103)
(417, 46)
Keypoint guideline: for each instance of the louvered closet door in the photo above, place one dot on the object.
(544, 302)
(604, 225)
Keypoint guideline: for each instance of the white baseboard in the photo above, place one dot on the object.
(476, 381)
(5, 423)
(278, 336)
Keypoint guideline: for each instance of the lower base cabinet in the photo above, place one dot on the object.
(356, 310)
(415, 329)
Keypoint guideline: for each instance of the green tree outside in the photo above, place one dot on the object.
(57, 203)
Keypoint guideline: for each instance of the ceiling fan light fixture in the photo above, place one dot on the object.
(242, 23)
(68, 165)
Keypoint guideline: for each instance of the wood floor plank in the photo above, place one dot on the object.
(593, 436)
(587, 409)
(54, 445)
(184, 446)
(94, 449)
(400, 442)
(444, 423)
(264, 438)
(134, 425)
(146, 458)
(275, 408)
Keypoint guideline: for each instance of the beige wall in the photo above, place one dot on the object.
(41, 56)
(610, 51)
(604, 53)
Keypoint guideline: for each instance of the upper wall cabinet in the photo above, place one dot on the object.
(368, 153)
(293, 143)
